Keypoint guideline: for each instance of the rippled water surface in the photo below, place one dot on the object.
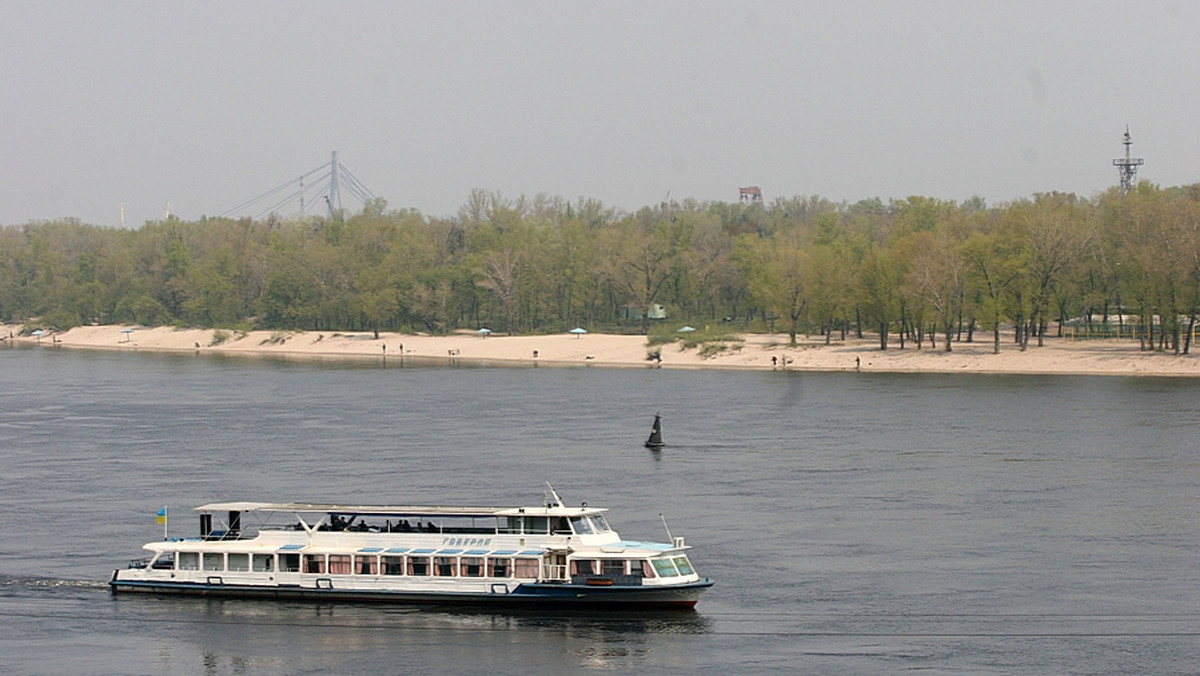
(855, 523)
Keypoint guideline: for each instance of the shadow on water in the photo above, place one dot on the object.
(235, 635)
(376, 616)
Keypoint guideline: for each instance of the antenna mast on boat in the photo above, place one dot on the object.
(551, 498)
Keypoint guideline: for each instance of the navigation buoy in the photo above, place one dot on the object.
(656, 441)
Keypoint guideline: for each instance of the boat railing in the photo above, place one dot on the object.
(553, 572)
(222, 535)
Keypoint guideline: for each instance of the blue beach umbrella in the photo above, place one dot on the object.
(578, 331)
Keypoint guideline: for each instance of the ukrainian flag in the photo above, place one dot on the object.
(161, 516)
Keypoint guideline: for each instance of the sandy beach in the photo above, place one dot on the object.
(765, 352)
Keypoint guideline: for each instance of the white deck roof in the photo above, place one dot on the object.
(396, 510)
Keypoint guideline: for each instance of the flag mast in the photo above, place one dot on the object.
(161, 517)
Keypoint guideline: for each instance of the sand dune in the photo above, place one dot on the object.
(1058, 356)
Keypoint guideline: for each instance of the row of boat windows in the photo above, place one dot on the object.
(511, 525)
(671, 567)
(436, 566)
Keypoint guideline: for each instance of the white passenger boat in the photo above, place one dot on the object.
(545, 555)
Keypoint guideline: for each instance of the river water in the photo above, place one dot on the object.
(854, 523)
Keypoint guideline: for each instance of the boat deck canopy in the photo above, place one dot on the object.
(396, 510)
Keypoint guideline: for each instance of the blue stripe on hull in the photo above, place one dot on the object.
(560, 595)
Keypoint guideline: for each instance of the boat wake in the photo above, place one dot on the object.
(21, 585)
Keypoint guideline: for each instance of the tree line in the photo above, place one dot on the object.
(919, 271)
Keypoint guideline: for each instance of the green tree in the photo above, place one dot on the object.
(776, 276)
(646, 259)
(878, 285)
(992, 270)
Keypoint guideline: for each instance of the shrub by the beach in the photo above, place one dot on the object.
(705, 336)
(60, 320)
(716, 347)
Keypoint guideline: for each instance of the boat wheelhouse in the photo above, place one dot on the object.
(547, 555)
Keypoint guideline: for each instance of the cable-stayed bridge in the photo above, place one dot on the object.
(322, 186)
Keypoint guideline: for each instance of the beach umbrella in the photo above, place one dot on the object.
(127, 332)
(578, 331)
(38, 333)
(686, 329)
(484, 332)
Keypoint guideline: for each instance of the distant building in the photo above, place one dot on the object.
(634, 313)
(751, 195)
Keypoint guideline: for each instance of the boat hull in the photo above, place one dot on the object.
(682, 596)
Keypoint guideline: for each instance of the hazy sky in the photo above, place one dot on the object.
(210, 104)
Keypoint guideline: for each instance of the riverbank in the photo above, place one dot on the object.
(755, 351)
